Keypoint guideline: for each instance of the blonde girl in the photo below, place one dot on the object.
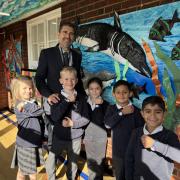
(28, 153)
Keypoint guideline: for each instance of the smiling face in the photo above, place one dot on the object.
(68, 81)
(153, 116)
(122, 95)
(66, 37)
(94, 90)
(25, 90)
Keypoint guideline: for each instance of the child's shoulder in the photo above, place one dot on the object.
(169, 133)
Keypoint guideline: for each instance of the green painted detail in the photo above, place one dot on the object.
(168, 123)
(125, 70)
(117, 70)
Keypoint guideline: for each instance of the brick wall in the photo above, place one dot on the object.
(89, 10)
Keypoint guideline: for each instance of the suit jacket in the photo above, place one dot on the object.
(48, 71)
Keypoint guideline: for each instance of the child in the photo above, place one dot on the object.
(70, 115)
(28, 152)
(152, 148)
(95, 133)
(122, 118)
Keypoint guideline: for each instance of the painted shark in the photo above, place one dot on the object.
(112, 41)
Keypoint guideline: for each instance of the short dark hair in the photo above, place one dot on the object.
(154, 100)
(96, 80)
(63, 23)
(122, 82)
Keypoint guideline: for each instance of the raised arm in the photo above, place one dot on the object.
(81, 119)
(58, 110)
(112, 117)
(29, 110)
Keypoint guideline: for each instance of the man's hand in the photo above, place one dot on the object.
(147, 141)
(53, 99)
(128, 109)
(67, 122)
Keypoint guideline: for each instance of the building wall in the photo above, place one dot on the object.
(86, 10)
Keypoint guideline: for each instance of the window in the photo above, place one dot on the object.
(42, 33)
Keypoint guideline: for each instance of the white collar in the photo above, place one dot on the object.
(92, 104)
(158, 129)
(120, 107)
(66, 94)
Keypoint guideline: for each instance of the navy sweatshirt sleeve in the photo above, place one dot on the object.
(59, 110)
(81, 117)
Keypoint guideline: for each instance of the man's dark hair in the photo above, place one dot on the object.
(122, 82)
(154, 100)
(63, 23)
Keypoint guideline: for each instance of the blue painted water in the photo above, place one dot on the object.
(137, 25)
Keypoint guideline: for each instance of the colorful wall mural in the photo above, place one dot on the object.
(12, 59)
(141, 47)
(17, 8)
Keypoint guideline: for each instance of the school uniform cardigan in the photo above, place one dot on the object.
(155, 163)
(77, 111)
(30, 125)
(121, 127)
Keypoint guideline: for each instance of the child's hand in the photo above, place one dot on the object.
(71, 98)
(128, 109)
(20, 106)
(67, 122)
(147, 141)
(98, 100)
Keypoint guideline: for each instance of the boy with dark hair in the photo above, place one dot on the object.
(122, 118)
(152, 148)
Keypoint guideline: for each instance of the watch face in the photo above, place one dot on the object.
(120, 113)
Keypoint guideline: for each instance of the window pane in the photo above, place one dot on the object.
(52, 29)
(58, 23)
(34, 33)
(53, 43)
(41, 33)
(41, 46)
(35, 52)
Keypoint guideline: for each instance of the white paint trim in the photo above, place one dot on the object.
(35, 21)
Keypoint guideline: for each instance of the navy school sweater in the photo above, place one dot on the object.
(30, 125)
(95, 130)
(77, 111)
(121, 127)
(147, 164)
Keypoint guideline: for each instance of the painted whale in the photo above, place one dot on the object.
(112, 41)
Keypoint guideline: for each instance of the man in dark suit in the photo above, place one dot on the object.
(52, 60)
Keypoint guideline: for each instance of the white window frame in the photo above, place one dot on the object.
(32, 64)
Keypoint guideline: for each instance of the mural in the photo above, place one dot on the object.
(12, 59)
(17, 8)
(141, 47)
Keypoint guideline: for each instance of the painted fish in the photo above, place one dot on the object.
(162, 27)
(175, 54)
